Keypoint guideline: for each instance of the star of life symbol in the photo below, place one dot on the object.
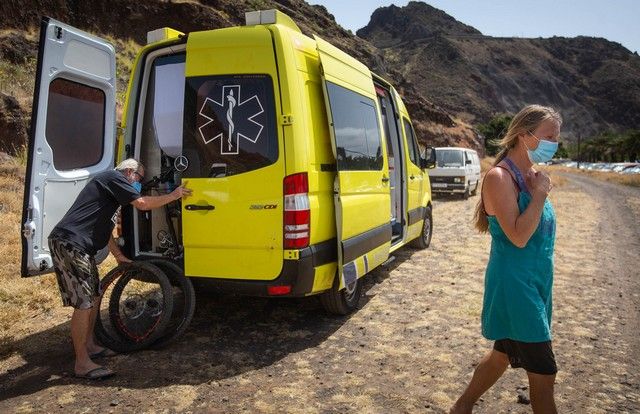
(230, 103)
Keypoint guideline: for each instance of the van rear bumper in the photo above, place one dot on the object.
(299, 274)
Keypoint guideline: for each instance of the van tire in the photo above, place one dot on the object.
(475, 189)
(423, 241)
(340, 302)
(465, 195)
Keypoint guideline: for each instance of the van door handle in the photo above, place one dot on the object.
(413, 177)
(385, 179)
(194, 207)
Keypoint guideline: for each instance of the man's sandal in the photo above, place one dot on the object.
(105, 353)
(97, 373)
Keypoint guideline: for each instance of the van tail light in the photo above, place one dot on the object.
(297, 213)
(278, 290)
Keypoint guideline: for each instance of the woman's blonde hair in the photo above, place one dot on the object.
(527, 120)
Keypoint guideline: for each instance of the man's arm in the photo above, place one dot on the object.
(151, 202)
(116, 252)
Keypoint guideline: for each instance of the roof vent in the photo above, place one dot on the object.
(164, 33)
(272, 16)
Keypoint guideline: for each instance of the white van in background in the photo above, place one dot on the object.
(457, 171)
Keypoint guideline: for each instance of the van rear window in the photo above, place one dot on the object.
(229, 126)
(449, 158)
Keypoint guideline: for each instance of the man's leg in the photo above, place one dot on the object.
(488, 371)
(541, 393)
(92, 344)
(80, 326)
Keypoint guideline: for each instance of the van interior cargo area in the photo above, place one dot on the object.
(158, 232)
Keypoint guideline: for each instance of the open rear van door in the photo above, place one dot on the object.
(72, 135)
(361, 190)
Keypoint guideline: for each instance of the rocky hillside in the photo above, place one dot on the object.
(126, 22)
(594, 83)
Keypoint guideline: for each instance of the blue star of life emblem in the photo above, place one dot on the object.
(234, 118)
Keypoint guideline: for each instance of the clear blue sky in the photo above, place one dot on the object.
(615, 20)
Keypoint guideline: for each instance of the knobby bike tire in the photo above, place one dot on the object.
(119, 339)
(183, 308)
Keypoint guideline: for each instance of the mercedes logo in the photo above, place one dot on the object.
(181, 163)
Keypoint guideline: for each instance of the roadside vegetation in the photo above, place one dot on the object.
(608, 146)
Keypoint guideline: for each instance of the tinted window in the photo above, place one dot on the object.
(355, 125)
(230, 125)
(449, 158)
(75, 124)
(411, 141)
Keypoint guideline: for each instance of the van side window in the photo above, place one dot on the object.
(357, 133)
(75, 124)
(230, 125)
(411, 141)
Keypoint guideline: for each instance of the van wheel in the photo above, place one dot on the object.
(342, 302)
(423, 241)
(475, 189)
(465, 195)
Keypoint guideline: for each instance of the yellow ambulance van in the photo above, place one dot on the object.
(305, 168)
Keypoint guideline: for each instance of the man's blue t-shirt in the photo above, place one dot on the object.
(89, 222)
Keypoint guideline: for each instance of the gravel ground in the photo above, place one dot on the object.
(411, 347)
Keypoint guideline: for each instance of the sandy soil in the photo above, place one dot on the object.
(411, 347)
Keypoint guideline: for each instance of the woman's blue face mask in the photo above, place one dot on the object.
(544, 152)
(137, 185)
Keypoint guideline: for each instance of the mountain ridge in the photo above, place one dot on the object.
(593, 82)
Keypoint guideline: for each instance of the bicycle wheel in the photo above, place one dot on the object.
(135, 307)
(184, 302)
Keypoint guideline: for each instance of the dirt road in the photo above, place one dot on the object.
(410, 348)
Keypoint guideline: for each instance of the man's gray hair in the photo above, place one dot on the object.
(130, 164)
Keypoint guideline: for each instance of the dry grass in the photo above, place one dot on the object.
(18, 80)
(624, 179)
(486, 163)
(20, 299)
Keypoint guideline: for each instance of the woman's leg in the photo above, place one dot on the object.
(488, 371)
(541, 393)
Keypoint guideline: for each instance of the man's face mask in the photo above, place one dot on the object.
(137, 185)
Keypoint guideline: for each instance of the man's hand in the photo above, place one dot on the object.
(121, 258)
(181, 191)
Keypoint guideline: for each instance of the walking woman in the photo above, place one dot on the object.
(516, 312)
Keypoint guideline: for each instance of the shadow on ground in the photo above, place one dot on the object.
(229, 335)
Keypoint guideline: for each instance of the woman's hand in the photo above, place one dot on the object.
(540, 185)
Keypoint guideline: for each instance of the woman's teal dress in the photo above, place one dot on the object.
(518, 281)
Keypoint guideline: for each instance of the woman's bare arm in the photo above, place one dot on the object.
(501, 200)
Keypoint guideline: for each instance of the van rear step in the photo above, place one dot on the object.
(388, 261)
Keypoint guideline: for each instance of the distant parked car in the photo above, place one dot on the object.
(631, 169)
(457, 171)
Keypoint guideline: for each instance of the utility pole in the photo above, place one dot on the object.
(578, 151)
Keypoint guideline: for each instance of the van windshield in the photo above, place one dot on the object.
(449, 158)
